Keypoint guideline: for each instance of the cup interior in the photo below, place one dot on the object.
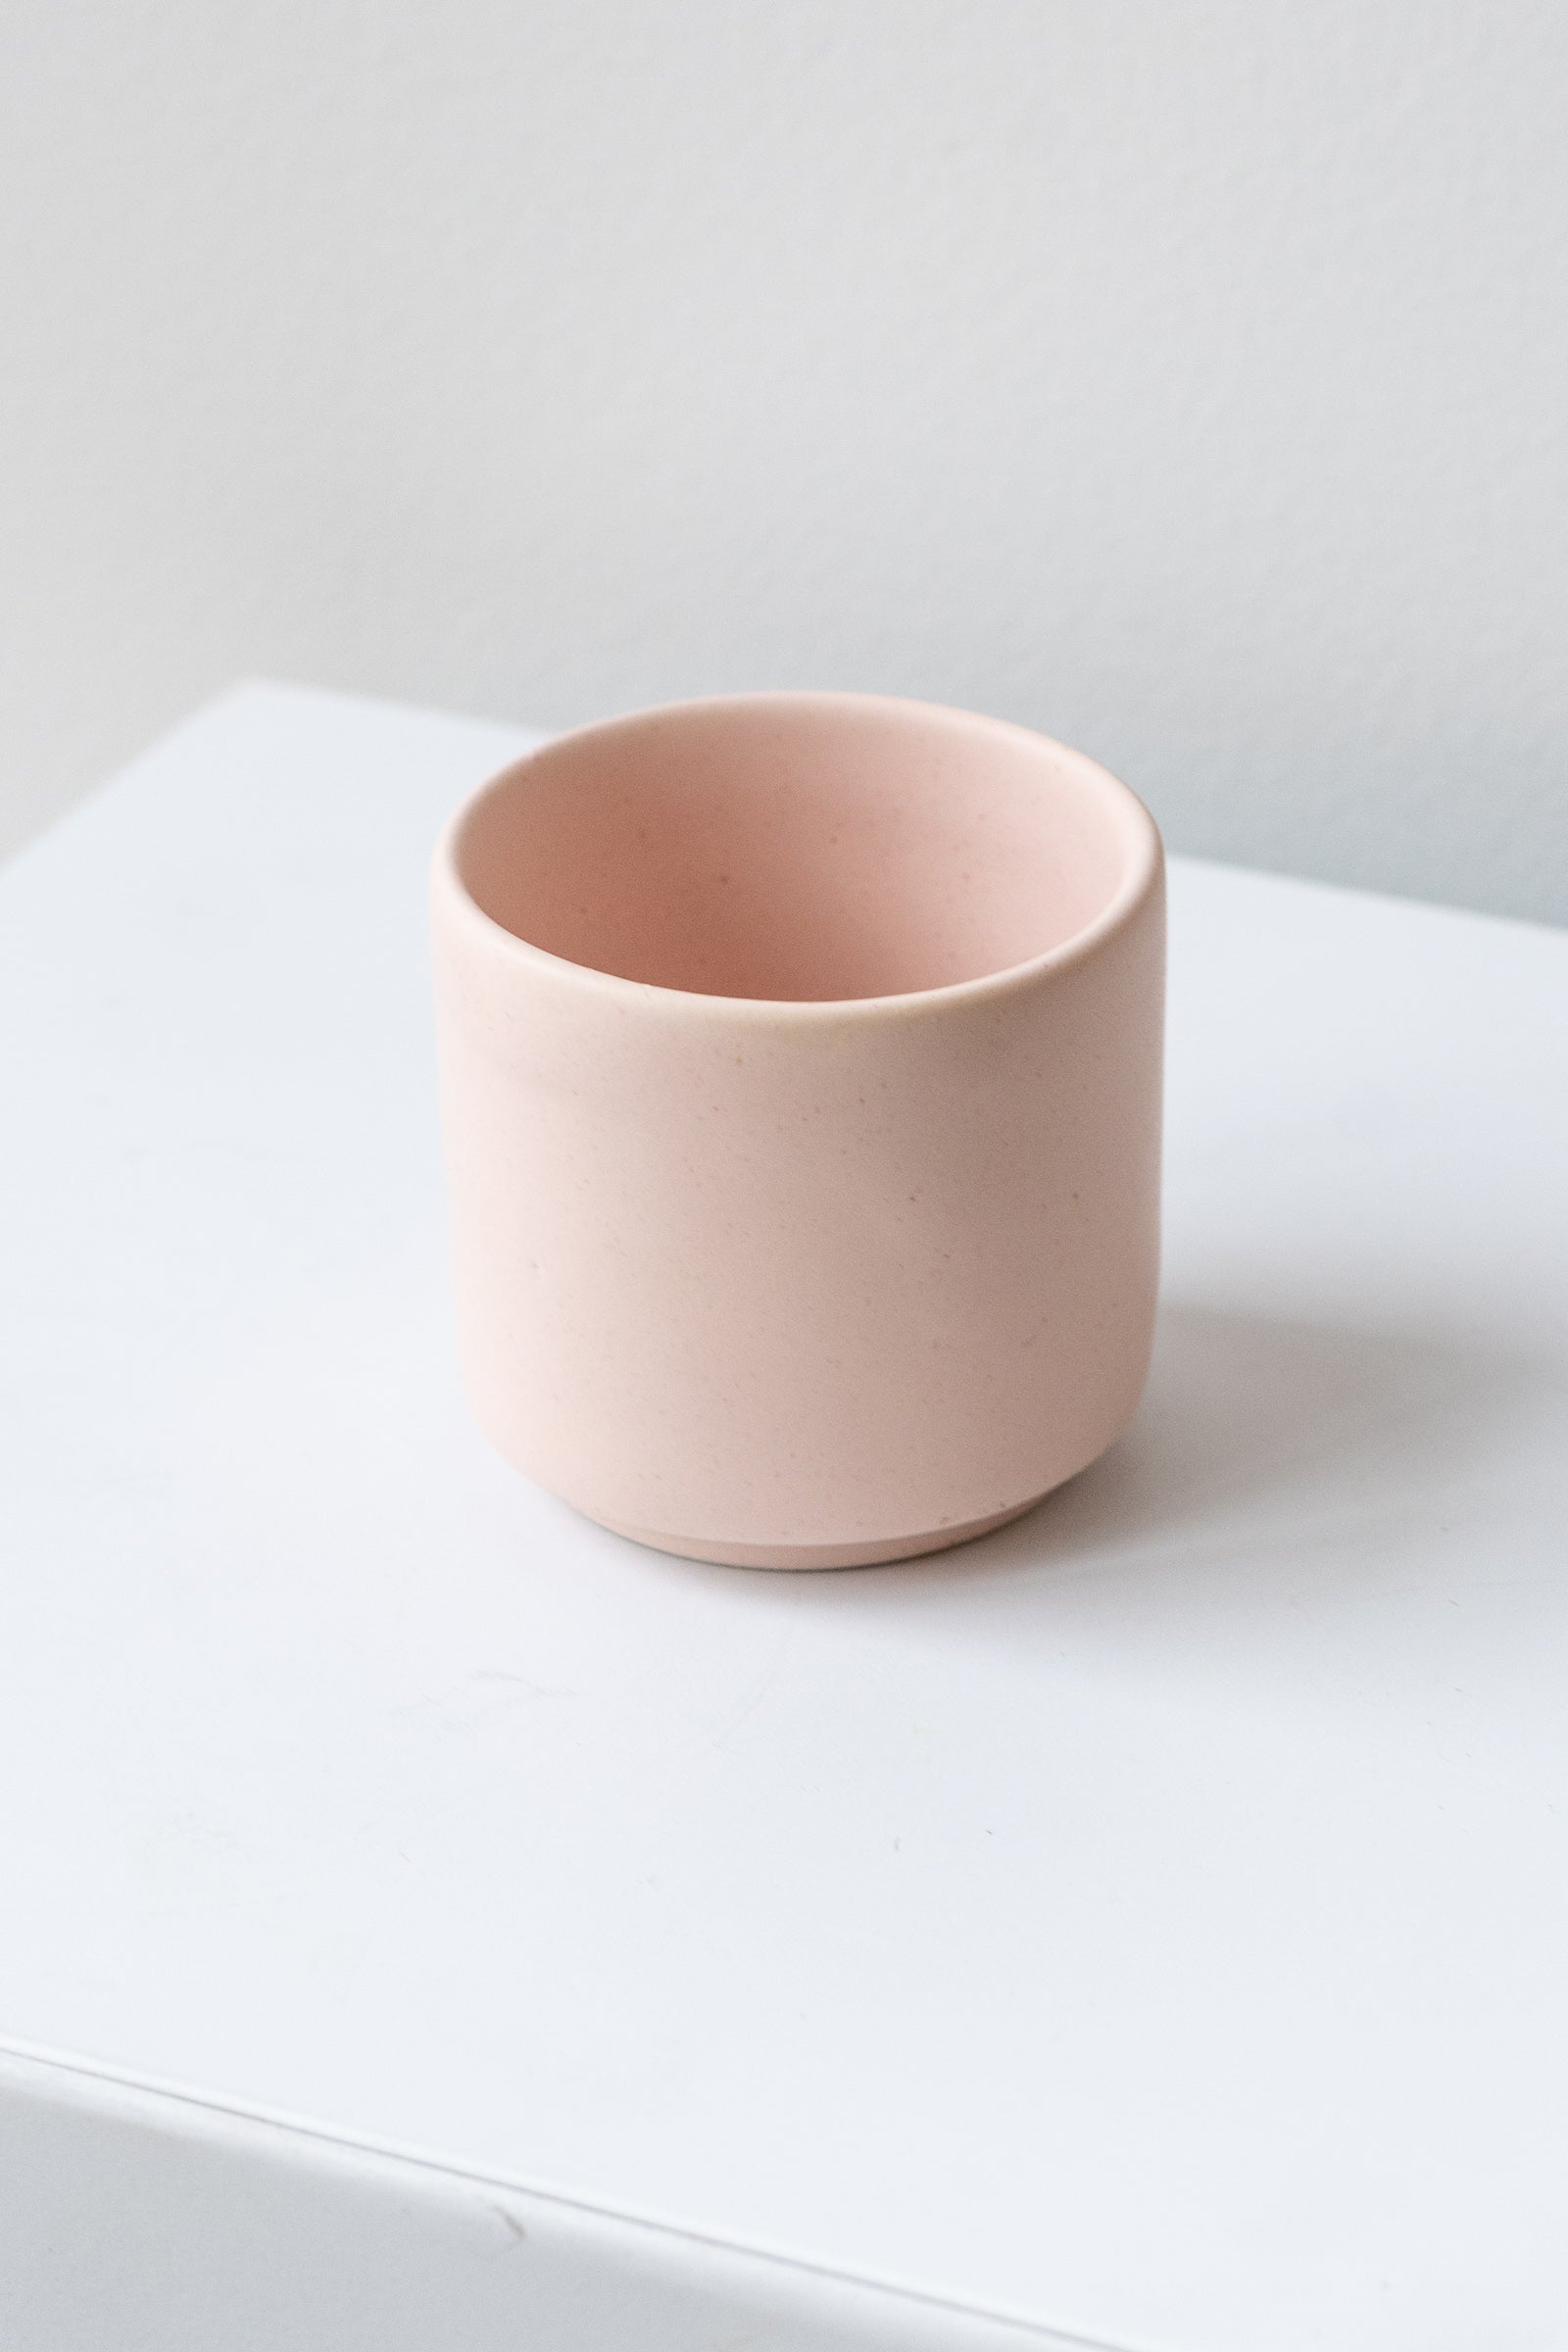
(801, 847)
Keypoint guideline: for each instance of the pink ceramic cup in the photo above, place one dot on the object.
(801, 1074)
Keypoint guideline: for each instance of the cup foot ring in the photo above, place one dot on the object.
(823, 1555)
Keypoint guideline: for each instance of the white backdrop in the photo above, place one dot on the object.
(1191, 380)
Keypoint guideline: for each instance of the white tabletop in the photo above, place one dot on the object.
(1151, 1923)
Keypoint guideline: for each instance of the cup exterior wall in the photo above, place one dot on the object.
(786, 1278)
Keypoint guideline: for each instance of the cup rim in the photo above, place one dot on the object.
(1145, 867)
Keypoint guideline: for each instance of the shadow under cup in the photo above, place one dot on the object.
(800, 1072)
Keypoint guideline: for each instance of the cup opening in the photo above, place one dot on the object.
(810, 847)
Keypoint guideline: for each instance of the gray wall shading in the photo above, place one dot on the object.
(1190, 381)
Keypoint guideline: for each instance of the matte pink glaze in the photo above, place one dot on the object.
(801, 1074)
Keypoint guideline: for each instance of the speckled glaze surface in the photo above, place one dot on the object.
(801, 1078)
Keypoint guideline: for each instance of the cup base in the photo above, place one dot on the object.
(823, 1555)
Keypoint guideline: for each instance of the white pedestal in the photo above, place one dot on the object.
(431, 1921)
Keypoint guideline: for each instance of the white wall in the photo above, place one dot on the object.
(1190, 379)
